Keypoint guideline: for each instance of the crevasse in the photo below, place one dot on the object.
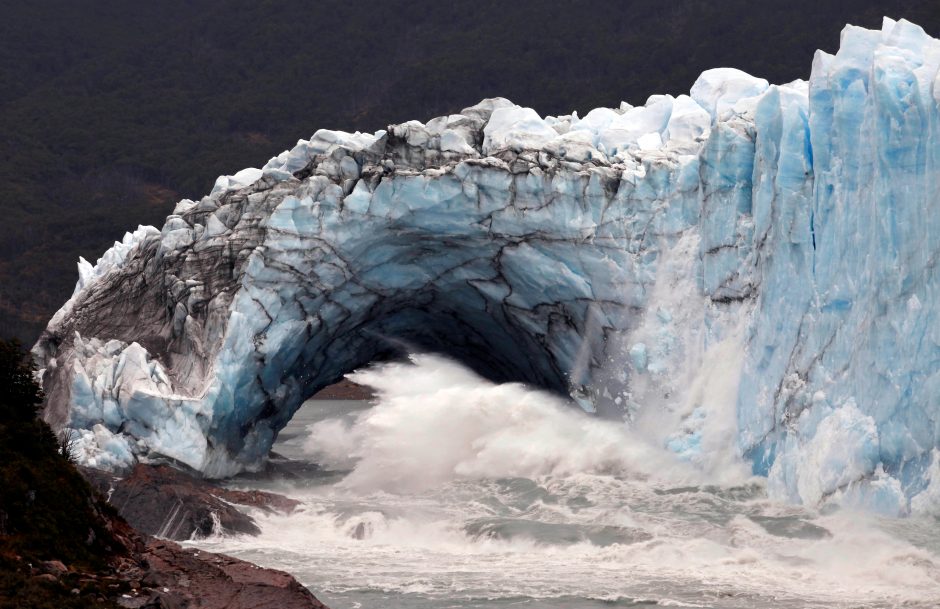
(604, 257)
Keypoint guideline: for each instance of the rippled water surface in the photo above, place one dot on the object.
(595, 535)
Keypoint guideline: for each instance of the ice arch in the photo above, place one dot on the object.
(201, 340)
(597, 256)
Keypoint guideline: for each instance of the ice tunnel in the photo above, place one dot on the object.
(600, 257)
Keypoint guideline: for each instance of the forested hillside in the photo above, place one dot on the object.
(113, 110)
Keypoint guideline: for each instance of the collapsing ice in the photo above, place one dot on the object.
(601, 257)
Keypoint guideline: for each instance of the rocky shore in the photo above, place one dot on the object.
(162, 503)
(64, 546)
(170, 503)
(344, 390)
(157, 504)
(151, 573)
(177, 578)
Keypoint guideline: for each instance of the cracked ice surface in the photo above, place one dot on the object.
(601, 257)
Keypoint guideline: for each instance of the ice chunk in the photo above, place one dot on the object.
(239, 180)
(719, 89)
(843, 450)
(517, 128)
(639, 356)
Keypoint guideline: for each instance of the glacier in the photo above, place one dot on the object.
(603, 258)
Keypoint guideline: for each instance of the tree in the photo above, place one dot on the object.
(20, 394)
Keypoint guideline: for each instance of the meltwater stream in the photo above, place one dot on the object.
(454, 492)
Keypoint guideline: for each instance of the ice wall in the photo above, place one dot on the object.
(853, 407)
(602, 257)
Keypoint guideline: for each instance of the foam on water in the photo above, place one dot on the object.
(436, 422)
(451, 491)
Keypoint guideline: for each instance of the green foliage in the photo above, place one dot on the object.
(47, 510)
(111, 110)
(20, 396)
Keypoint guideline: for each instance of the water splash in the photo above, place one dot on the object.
(458, 492)
(436, 422)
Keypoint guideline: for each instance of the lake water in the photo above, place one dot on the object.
(489, 498)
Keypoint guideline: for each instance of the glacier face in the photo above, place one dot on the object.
(603, 257)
